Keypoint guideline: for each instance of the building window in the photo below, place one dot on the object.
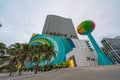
(75, 37)
(65, 35)
(54, 34)
(58, 34)
(71, 36)
(47, 32)
(50, 33)
(62, 34)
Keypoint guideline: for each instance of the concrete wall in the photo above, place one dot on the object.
(81, 57)
(81, 52)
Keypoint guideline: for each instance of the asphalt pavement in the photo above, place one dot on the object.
(77, 73)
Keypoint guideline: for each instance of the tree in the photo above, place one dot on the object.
(37, 49)
(89, 59)
(104, 50)
(22, 59)
(27, 50)
(49, 54)
(2, 48)
(12, 64)
(91, 49)
(3, 58)
(92, 59)
(16, 50)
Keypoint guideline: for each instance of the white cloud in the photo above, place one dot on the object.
(21, 18)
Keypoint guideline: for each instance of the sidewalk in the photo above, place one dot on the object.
(77, 73)
(24, 75)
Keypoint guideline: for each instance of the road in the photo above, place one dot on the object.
(77, 73)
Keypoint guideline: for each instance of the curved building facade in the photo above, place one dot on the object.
(61, 45)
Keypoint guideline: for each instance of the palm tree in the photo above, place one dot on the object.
(16, 50)
(42, 53)
(94, 60)
(22, 59)
(2, 48)
(89, 59)
(50, 53)
(38, 50)
(47, 54)
(28, 51)
(104, 50)
(3, 58)
(12, 65)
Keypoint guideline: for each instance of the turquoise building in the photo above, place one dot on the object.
(61, 45)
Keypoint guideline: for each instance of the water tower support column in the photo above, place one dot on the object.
(102, 58)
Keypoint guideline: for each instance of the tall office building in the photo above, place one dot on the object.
(60, 33)
(59, 26)
(112, 45)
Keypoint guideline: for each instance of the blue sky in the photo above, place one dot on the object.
(21, 18)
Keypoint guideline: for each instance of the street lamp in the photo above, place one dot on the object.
(0, 25)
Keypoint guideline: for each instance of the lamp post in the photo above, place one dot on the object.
(0, 25)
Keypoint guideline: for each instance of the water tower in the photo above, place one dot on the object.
(85, 28)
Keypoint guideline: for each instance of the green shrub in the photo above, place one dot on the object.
(64, 64)
(4, 68)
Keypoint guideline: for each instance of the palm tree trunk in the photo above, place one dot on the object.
(12, 65)
(36, 67)
(20, 70)
(10, 69)
(22, 63)
(48, 62)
